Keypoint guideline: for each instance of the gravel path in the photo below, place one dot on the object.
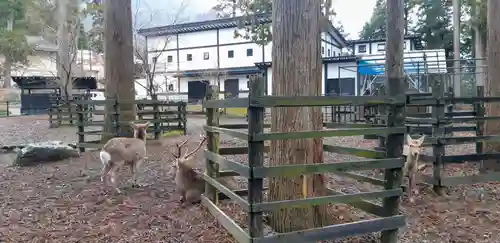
(75, 207)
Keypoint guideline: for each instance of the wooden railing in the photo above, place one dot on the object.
(255, 171)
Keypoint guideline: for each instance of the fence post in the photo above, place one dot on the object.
(479, 112)
(116, 115)
(255, 156)
(51, 118)
(438, 131)
(449, 110)
(212, 168)
(58, 109)
(70, 111)
(156, 117)
(179, 114)
(81, 126)
(184, 117)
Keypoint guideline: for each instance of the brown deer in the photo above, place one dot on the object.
(189, 183)
(412, 150)
(121, 151)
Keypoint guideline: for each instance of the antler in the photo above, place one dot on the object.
(179, 148)
(196, 149)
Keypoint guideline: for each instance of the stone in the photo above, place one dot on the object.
(36, 153)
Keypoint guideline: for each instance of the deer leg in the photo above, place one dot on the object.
(134, 169)
(104, 173)
(412, 184)
(113, 179)
(183, 196)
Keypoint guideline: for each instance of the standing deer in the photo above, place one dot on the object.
(120, 151)
(411, 167)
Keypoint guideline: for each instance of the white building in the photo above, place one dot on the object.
(207, 52)
(191, 55)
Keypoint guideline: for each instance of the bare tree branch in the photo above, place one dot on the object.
(142, 52)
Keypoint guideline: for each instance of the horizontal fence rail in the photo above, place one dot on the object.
(91, 117)
(255, 171)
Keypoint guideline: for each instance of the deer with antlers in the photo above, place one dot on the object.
(412, 150)
(189, 182)
(121, 151)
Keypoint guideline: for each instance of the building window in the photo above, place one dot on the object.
(328, 52)
(189, 57)
(334, 53)
(249, 52)
(155, 59)
(322, 50)
(381, 47)
(170, 87)
(362, 48)
(230, 54)
(206, 56)
(170, 59)
(404, 47)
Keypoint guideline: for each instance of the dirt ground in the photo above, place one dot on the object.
(66, 202)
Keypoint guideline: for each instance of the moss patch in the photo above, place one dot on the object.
(171, 133)
(237, 111)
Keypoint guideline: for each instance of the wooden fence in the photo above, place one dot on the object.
(164, 116)
(440, 125)
(389, 219)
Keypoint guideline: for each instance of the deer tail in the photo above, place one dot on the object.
(105, 157)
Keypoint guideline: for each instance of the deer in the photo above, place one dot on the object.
(121, 151)
(189, 182)
(412, 151)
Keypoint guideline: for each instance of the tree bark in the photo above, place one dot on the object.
(64, 69)
(478, 44)
(456, 48)
(395, 85)
(296, 72)
(7, 65)
(7, 70)
(492, 127)
(119, 62)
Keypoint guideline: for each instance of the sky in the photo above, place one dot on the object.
(352, 13)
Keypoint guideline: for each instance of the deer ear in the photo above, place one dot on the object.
(408, 139)
(420, 140)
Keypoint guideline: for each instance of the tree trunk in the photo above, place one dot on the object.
(296, 30)
(492, 127)
(7, 65)
(395, 85)
(456, 48)
(478, 45)
(63, 55)
(7, 69)
(119, 62)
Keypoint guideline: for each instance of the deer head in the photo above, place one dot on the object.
(140, 130)
(414, 145)
(184, 159)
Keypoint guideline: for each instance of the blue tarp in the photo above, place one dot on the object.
(367, 67)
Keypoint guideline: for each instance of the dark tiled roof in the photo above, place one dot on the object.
(51, 82)
(336, 59)
(417, 40)
(264, 18)
(205, 25)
